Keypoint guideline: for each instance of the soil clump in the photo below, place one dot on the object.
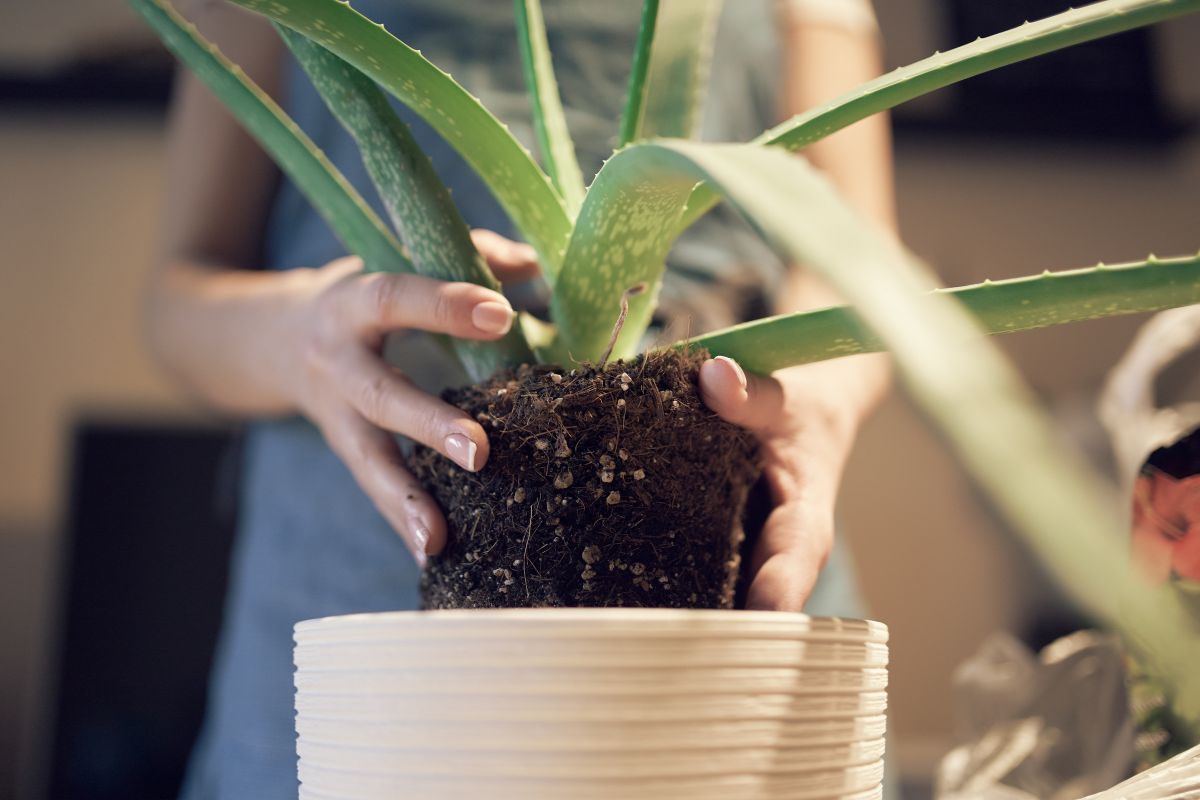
(611, 486)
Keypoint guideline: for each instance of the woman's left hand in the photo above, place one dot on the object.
(805, 419)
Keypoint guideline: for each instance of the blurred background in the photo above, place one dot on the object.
(115, 501)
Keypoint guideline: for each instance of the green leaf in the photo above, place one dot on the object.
(635, 93)
(348, 215)
(1093, 21)
(419, 204)
(1068, 516)
(518, 183)
(678, 69)
(1052, 298)
(554, 139)
(630, 218)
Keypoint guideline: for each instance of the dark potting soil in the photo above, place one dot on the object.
(604, 487)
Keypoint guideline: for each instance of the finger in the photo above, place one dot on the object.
(377, 303)
(784, 583)
(375, 462)
(509, 260)
(386, 398)
(751, 401)
(790, 554)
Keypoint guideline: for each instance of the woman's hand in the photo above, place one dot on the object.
(805, 419)
(342, 384)
(266, 343)
(260, 343)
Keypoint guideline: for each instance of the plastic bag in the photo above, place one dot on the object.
(1054, 726)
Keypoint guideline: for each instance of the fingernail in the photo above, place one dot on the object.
(462, 450)
(737, 369)
(420, 537)
(492, 316)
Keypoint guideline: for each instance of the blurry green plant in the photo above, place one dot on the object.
(595, 243)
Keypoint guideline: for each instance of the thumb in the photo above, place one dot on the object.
(754, 402)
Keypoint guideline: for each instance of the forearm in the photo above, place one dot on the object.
(823, 61)
(224, 335)
(222, 330)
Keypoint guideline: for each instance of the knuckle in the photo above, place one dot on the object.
(426, 423)
(445, 305)
(373, 397)
(383, 295)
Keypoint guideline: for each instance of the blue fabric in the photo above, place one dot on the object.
(310, 543)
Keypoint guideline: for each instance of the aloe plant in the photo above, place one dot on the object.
(597, 244)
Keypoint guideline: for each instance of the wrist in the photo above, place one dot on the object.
(294, 334)
(231, 338)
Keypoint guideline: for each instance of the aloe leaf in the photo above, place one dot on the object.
(630, 218)
(635, 93)
(419, 204)
(549, 121)
(1019, 304)
(348, 215)
(1093, 21)
(676, 72)
(523, 190)
(1068, 516)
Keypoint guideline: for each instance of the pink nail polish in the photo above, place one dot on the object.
(420, 537)
(492, 316)
(462, 450)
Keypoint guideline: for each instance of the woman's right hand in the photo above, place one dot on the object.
(340, 381)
